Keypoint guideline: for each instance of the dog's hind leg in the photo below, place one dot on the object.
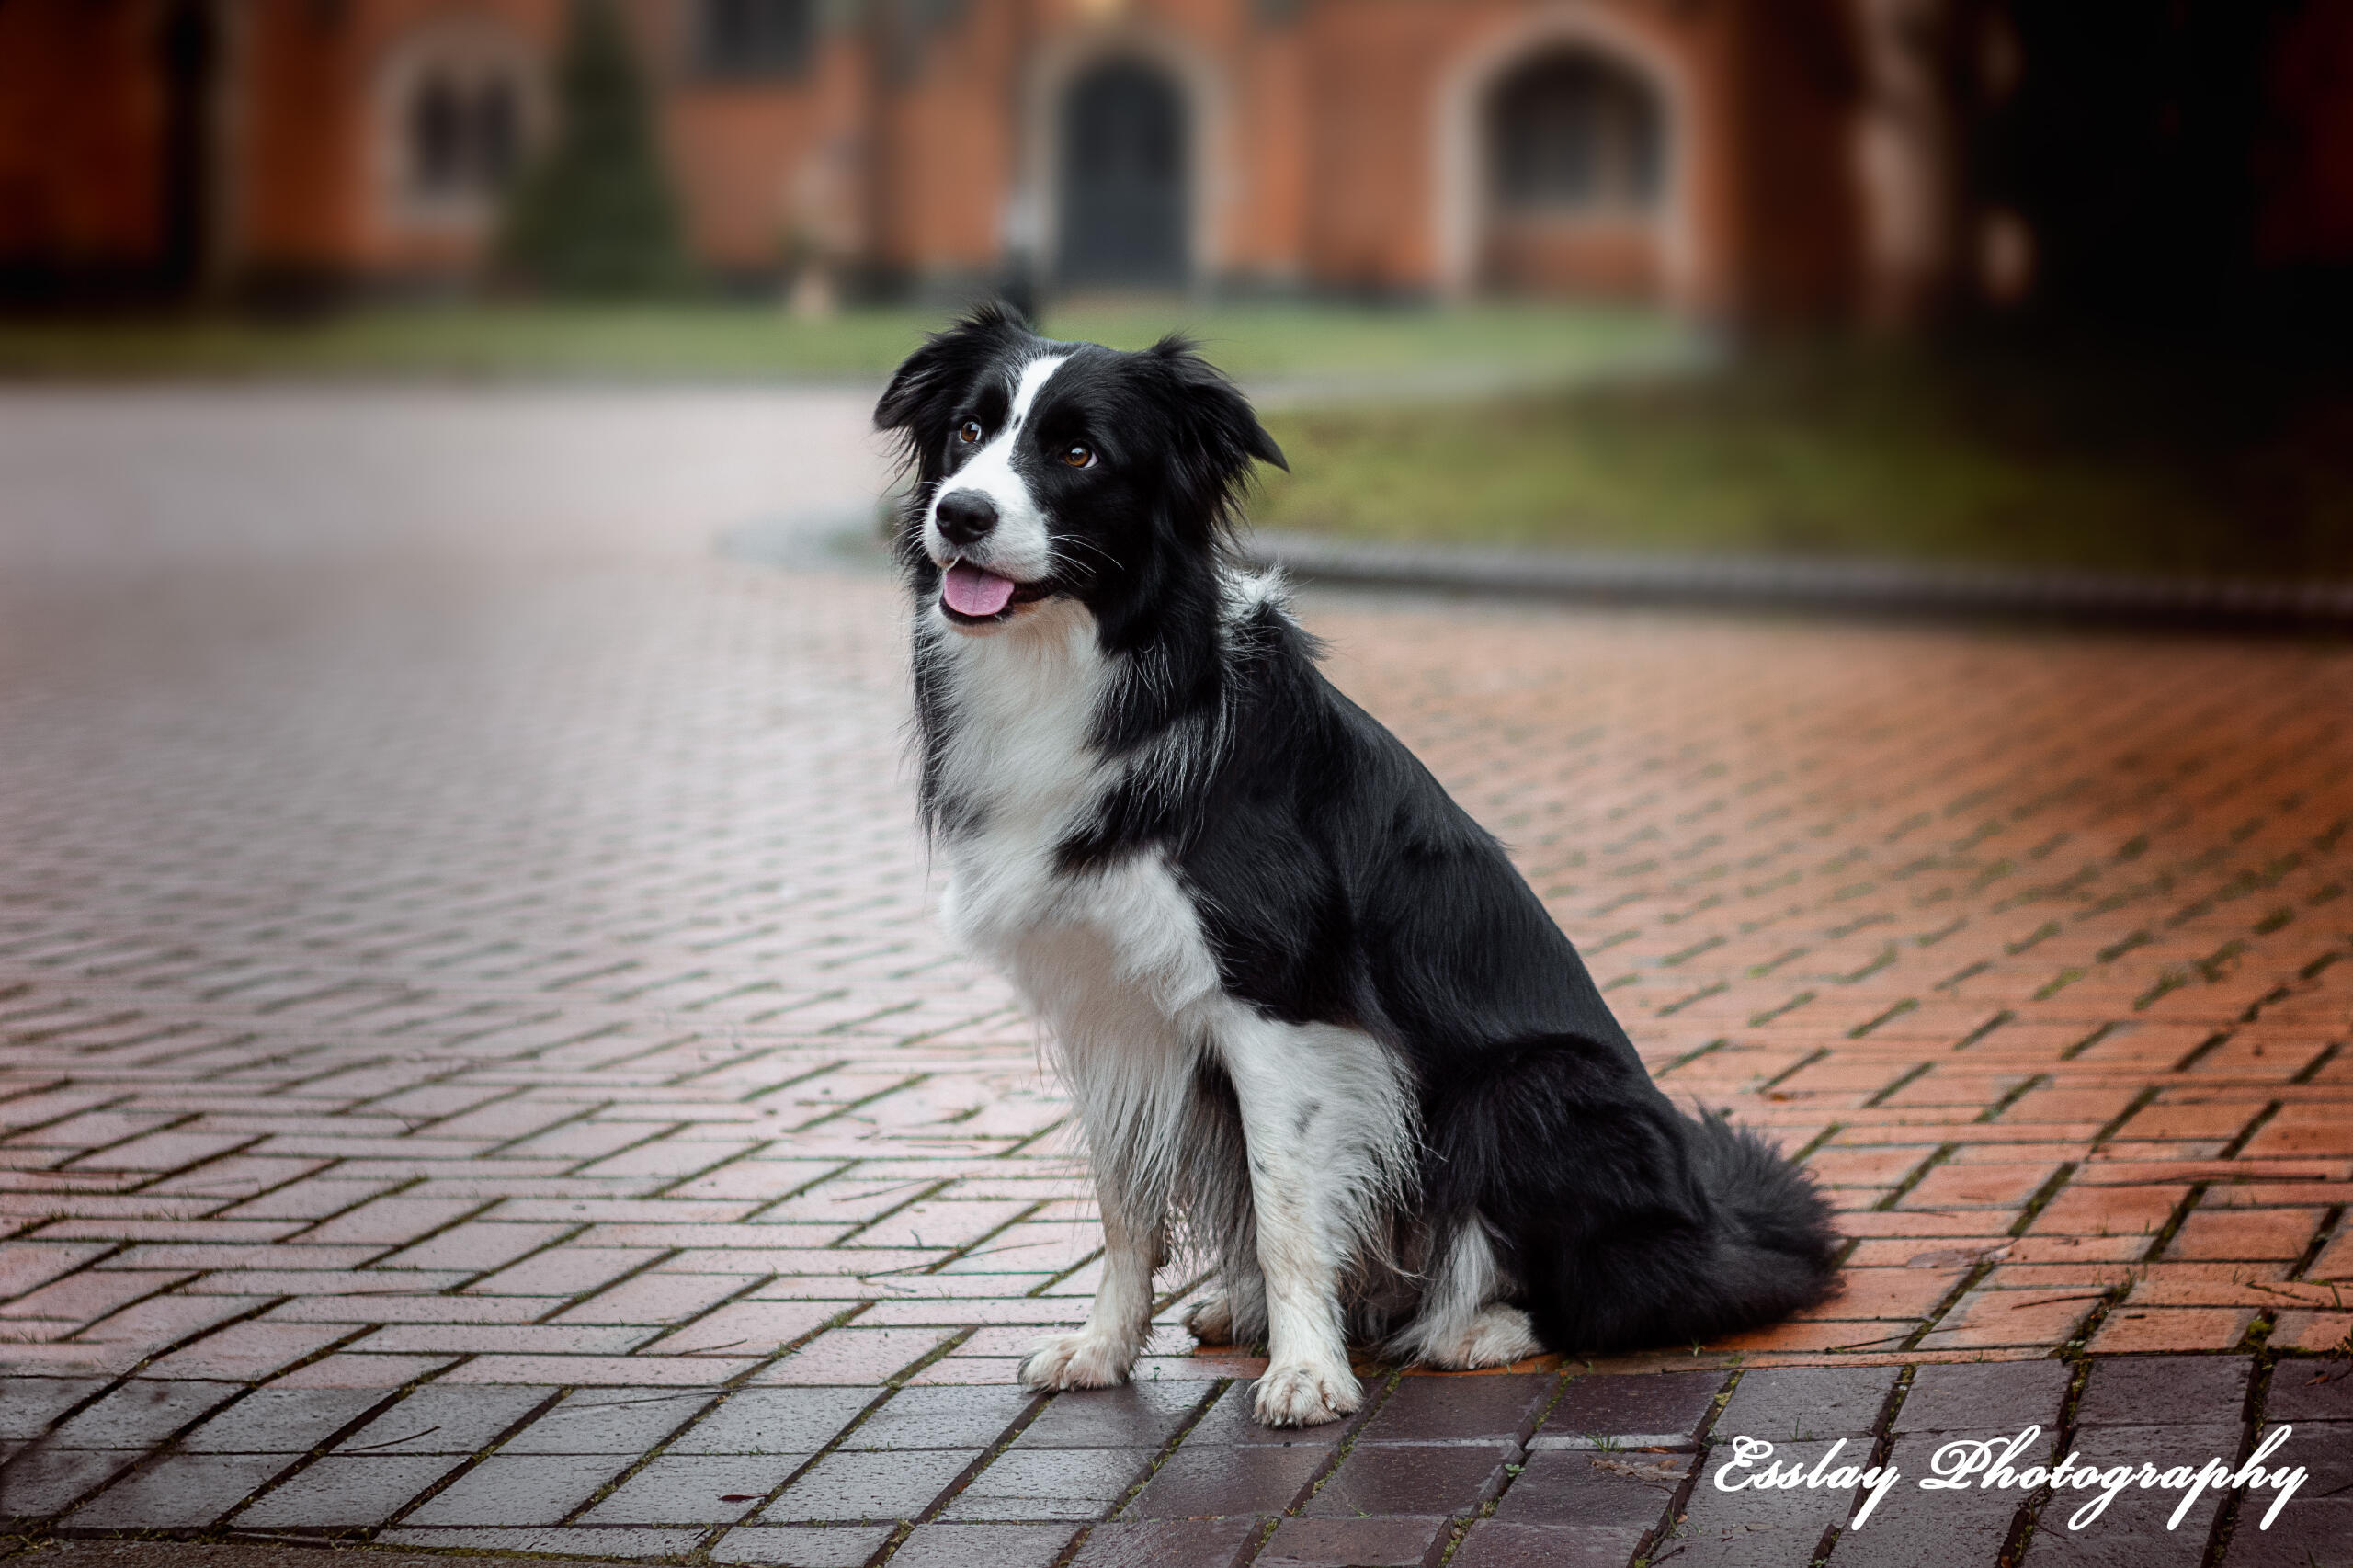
(1211, 1318)
(1233, 1312)
(1100, 1353)
(1461, 1323)
(1231, 1308)
(1497, 1336)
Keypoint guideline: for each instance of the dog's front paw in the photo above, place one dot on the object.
(1302, 1393)
(1086, 1359)
(1211, 1318)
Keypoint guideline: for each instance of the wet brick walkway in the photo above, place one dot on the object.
(477, 1069)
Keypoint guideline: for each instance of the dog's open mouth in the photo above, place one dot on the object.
(970, 594)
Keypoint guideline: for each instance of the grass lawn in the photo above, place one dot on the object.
(1986, 456)
(754, 342)
(1884, 454)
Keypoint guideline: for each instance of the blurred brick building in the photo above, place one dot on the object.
(1758, 157)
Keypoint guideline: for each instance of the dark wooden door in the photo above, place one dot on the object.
(1123, 197)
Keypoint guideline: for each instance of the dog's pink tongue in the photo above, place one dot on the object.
(970, 591)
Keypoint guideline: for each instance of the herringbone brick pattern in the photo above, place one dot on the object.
(480, 1070)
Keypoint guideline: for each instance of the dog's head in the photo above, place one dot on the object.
(1051, 469)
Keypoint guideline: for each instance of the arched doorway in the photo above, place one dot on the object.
(1124, 196)
(1576, 154)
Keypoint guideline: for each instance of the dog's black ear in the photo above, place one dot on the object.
(1219, 414)
(1218, 432)
(924, 390)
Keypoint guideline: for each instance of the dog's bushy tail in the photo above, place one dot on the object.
(1629, 1224)
(1750, 1243)
(1772, 1246)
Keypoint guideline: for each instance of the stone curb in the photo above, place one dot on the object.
(1853, 587)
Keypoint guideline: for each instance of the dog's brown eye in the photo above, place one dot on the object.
(1079, 455)
(969, 432)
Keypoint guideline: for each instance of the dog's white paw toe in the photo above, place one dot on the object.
(1303, 1394)
(1082, 1360)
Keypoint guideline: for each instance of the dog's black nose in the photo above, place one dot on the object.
(965, 516)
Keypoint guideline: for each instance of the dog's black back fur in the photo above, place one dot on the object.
(1338, 883)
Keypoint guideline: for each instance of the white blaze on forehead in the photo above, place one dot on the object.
(1021, 546)
(1034, 377)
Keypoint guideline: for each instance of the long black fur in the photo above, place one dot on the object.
(1338, 883)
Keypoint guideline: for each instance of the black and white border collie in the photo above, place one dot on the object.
(1313, 1021)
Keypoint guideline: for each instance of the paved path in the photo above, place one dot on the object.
(477, 1068)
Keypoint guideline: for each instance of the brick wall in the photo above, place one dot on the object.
(80, 137)
(912, 143)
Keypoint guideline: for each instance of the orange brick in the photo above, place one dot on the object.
(2083, 1211)
(1989, 1319)
(1809, 1335)
(1888, 1292)
(2228, 1273)
(2335, 1259)
(2009, 1152)
(2243, 1233)
(1913, 1252)
(2077, 1249)
(2051, 1277)
(2242, 1192)
(2172, 1328)
(1915, 1222)
(2244, 1286)
(2300, 1129)
(1877, 1168)
(2086, 1102)
(2298, 1329)
(2179, 1123)
(1979, 1185)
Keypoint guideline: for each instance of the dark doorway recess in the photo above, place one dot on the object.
(1124, 179)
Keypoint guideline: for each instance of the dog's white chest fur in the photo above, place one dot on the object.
(1115, 948)
(1110, 959)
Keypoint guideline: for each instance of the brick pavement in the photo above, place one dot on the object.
(479, 1072)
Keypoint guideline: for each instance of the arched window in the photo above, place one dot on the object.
(463, 131)
(457, 106)
(436, 157)
(1570, 132)
(756, 39)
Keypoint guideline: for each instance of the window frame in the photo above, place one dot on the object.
(711, 59)
(1627, 150)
